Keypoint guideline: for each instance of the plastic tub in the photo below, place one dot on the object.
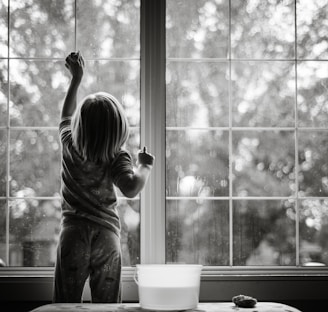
(168, 287)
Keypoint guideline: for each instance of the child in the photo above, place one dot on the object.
(93, 161)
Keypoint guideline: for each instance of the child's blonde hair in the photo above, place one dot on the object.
(99, 127)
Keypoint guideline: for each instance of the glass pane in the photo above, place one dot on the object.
(312, 29)
(264, 232)
(197, 94)
(313, 232)
(262, 29)
(34, 163)
(263, 163)
(3, 92)
(3, 246)
(3, 28)
(263, 94)
(108, 28)
(313, 163)
(121, 79)
(34, 232)
(41, 28)
(197, 28)
(133, 147)
(129, 212)
(197, 231)
(197, 163)
(37, 91)
(312, 95)
(3, 161)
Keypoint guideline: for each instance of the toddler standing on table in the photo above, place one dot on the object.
(93, 135)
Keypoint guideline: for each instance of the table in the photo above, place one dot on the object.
(135, 307)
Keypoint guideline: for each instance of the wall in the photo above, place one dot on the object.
(303, 292)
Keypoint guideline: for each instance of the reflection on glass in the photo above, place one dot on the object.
(262, 29)
(34, 232)
(129, 212)
(197, 94)
(197, 163)
(37, 90)
(263, 233)
(263, 163)
(41, 28)
(3, 28)
(197, 28)
(312, 29)
(313, 163)
(34, 163)
(197, 231)
(3, 249)
(312, 94)
(108, 28)
(263, 94)
(121, 79)
(3, 161)
(313, 232)
(3, 92)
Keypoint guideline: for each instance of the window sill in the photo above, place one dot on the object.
(208, 272)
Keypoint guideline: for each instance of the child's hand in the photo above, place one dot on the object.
(145, 158)
(75, 64)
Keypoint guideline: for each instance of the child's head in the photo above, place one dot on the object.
(99, 127)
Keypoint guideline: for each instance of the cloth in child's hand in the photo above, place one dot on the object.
(145, 158)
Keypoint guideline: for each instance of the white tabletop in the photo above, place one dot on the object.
(135, 307)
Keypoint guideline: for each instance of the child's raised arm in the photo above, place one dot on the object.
(75, 64)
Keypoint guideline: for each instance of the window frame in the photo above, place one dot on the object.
(152, 199)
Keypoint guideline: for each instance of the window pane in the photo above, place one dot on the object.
(121, 79)
(34, 231)
(197, 94)
(263, 232)
(108, 28)
(41, 28)
(3, 28)
(263, 94)
(197, 163)
(129, 212)
(37, 90)
(3, 247)
(3, 162)
(197, 231)
(313, 163)
(3, 92)
(312, 97)
(313, 232)
(312, 29)
(197, 28)
(34, 163)
(263, 163)
(262, 29)
(35, 227)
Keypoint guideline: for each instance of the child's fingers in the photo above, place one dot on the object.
(80, 61)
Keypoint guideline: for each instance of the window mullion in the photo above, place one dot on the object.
(152, 230)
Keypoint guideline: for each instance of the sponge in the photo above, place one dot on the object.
(243, 301)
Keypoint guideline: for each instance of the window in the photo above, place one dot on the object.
(35, 38)
(230, 96)
(246, 133)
